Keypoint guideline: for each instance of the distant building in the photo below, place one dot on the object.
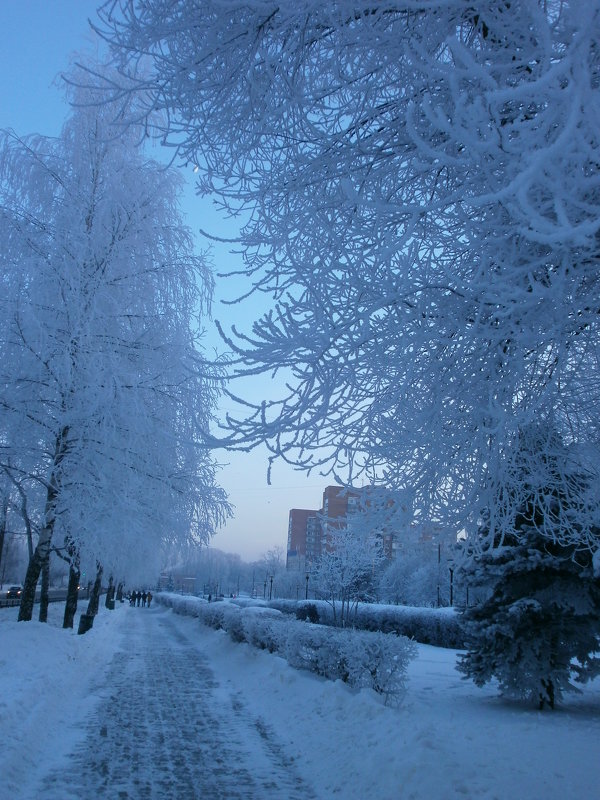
(308, 529)
(313, 539)
(338, 502)
(177, 583)
(297, 537)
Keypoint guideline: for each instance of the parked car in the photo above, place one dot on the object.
(14, 592)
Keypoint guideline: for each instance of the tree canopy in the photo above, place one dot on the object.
(105, 394)
(418, 185)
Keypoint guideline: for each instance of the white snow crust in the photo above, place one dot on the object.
(448, 739)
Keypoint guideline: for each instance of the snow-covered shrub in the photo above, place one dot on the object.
(163, 599)
(440, 627)
(181, 604)
(314, 648)
(362, 659)
(253, 602)
(323, 608)
(212, 614)
(285, 606)
(263, 612)
(262, 627)
(299, 644)
(359, 658)
(232, 622)
(190, 605)
(307, 612)
(378, 661)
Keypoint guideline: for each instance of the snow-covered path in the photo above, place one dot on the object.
(168, 730)
(150, 704)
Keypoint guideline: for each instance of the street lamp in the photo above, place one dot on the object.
(306, 595)
(439, 558)
(271, 588)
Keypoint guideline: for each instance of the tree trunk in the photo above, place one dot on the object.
(45, 587)
(42, 550)
(343, 609)
(94, 601)
(3, 512)
(72, 595)
(25, 515)
(110, 592)
(26, 520)
(34, 568)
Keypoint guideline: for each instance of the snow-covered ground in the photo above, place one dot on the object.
(65, 700)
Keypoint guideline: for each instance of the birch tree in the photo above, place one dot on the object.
(418, 184)
(105, 389)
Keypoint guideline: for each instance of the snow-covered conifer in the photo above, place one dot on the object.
(538, 628)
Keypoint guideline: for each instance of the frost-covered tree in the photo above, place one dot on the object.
(415, 579)
(539, 628)
(348, 569)
(105, 396)
(9, 509)
(4, 501)
(418, 185)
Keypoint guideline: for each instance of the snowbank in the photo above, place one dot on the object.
(48, 680)
(448, 740)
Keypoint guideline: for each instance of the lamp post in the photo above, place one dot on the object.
(265, 589)
(306, 595)
(439, 558)
(271, 588)
(451, 586)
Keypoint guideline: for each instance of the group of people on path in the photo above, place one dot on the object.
(140, 598)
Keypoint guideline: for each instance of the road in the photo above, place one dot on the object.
(168, 730)
(54, 596)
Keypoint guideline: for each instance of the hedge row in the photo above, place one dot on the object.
(436, 626)
(359, 658)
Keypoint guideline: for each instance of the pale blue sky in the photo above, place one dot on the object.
(39, 38)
